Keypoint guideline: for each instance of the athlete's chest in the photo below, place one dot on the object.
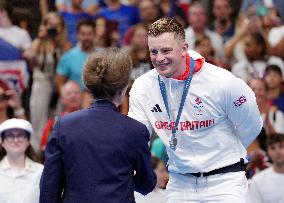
(202, 107)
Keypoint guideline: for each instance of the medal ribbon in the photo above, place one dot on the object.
(163, 90)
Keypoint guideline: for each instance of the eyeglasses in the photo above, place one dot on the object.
(15, 136)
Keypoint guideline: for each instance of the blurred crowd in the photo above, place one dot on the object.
(44, 45)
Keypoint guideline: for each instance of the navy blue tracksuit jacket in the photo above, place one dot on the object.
(91, 157)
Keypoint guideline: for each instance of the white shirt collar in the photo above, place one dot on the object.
(29, 166)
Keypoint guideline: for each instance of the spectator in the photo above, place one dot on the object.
(89, 6)
(138, 50)
(126, 16)
(9, 103)
(267, 186)
(8, 52)
(148, 12)
(46, 51)
(223, 23)
(255, 52)
(234, 47)
(3, 102)
(272, 117)
(33, 6)
(257, 58)
(276, 41)
(130, 2)
(269, 18)
(258, 161)
(184, 5)
(170, 8)
(71, 98)
(24, 18)
(259, 20)
(274, 80)
(271, 4)
(158, 195)
(70, 65)
(10, 48)
(203, 45)
(197, 18)
(107, 34)
(19, 171)
(273, 123)
(12, 34)
(72, 17)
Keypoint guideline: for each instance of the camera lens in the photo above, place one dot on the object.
(52, 32)
(223, 22)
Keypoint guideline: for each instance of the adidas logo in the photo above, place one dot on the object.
(156, 108)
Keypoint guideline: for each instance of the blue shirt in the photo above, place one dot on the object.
(97, 150)
(85, 3)
(71, 21)
(279, 102)
(126, 16)
(71, 65)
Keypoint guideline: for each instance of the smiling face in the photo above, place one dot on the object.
(276, 153)
(168, 54)
(86, 35)
(273, 79)
(15, 142)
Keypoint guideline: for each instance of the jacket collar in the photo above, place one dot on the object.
(103, 103)
(198, 64)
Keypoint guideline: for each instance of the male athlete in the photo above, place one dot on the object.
(205, 116)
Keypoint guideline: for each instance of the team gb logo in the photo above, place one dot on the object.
(198, 106)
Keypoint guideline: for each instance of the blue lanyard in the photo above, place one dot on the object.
(173, 139)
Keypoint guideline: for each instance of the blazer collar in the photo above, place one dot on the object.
(103, 103)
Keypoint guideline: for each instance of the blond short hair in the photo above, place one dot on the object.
(167, 25)
(106, 72)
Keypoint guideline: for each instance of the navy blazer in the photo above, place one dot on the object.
(91, 157)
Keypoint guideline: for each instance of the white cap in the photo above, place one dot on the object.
(15, 123)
